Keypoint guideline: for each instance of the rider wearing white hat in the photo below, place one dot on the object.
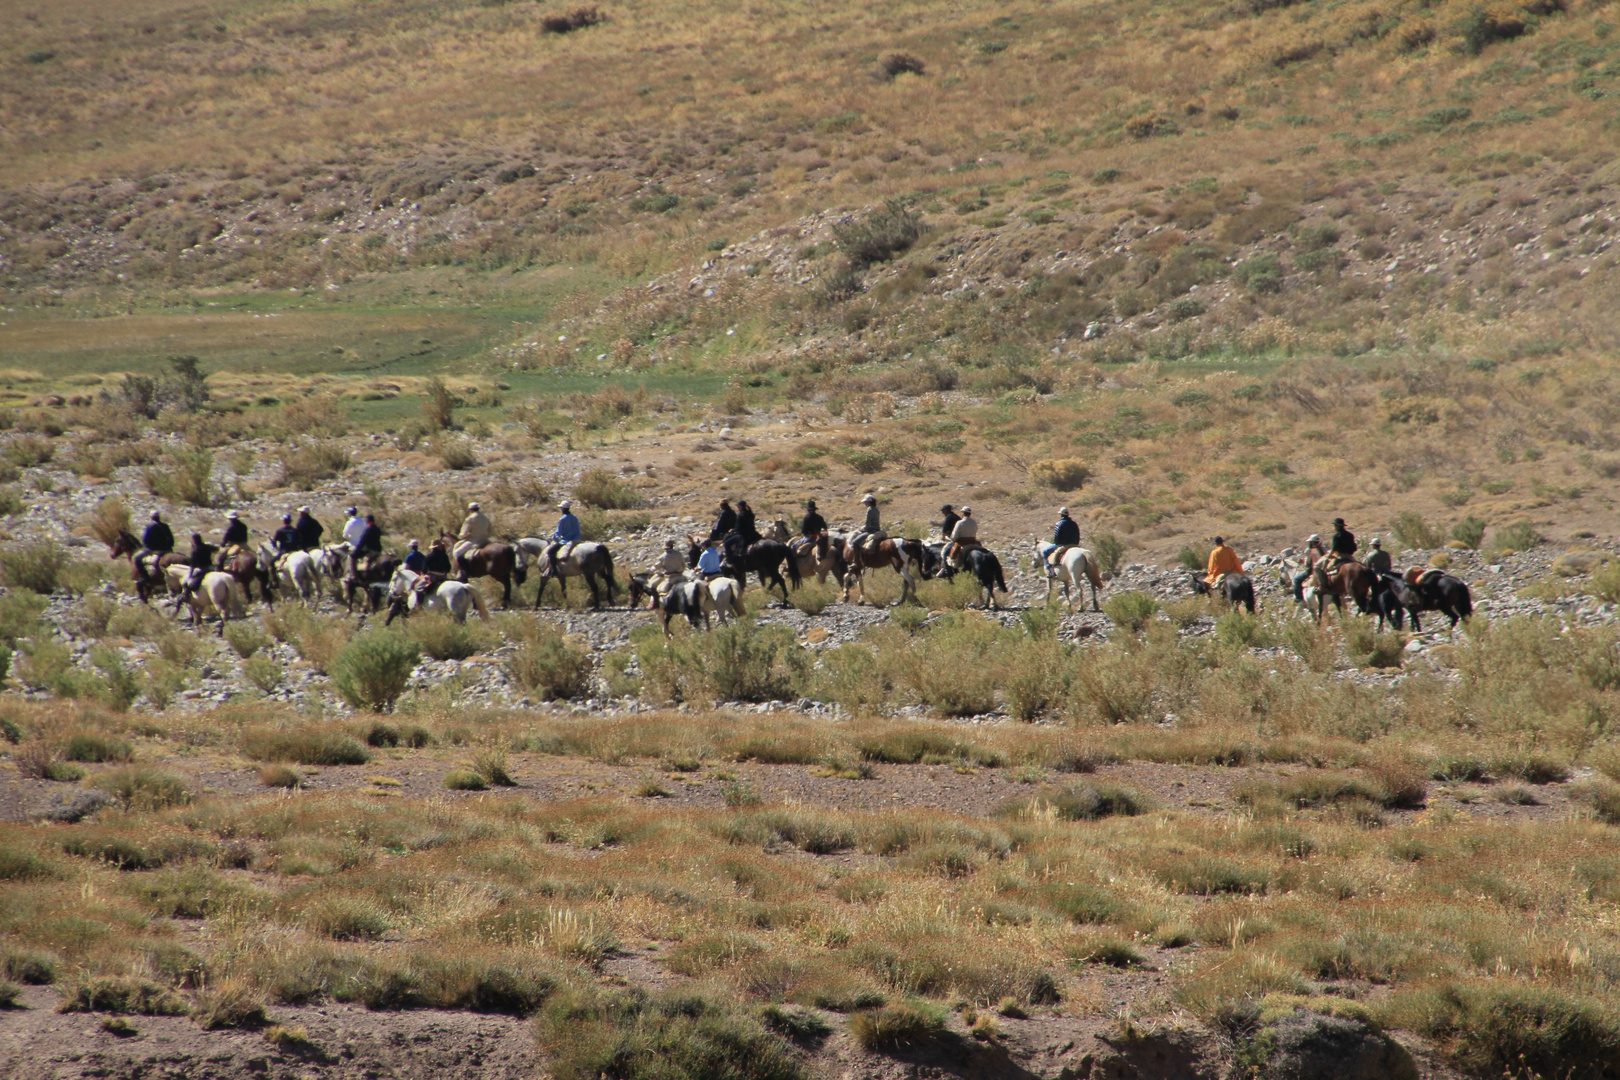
(964, 536)
(475, 533)
(872, 528)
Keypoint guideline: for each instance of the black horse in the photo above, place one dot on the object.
(1445, 594)
(1235, 589)
(764, 557)
(981, 563)
(1391, 599)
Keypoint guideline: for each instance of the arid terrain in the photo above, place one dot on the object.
(1183, 269)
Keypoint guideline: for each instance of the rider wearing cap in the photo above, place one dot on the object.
(414, 559)
(1313, 552)
(353, 528)
(964, 536)
(1065, 535)
(309, 530)
(1379, 561)
(1222, 560)
(566, 534)
(369, 546)
(872, 528)
(475, 532)
(285, 539)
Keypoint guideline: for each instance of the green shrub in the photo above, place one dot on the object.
(899, 1025)
(457, 455)
(1520, 536)
(1412, 531)
(737, 662)
(1110, 551)
(280, 776)
(1508, 1029)
(140, 787)
(36, 566)
(1606, 582)
(1085, 801)
(1259, 274)
(602, 489)
(443, 638)
(263, 672)
(1130, 611)
(188, 479)
(1241, 630)
(309, 745)
(550, 665)
(31, 966)
(798, 1024)
(464, 780)
(246, 638)
(18, 864)
(1470, 531)
(371, 671)
(879, 236)
(1370, 649)
(95, 748)
(120, 686)
(1195, 559)
(307, 466)
(19, 616)
(121, 994)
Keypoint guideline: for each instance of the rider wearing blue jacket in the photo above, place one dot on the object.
(1065, 534)
(709, 562)
(566, 532)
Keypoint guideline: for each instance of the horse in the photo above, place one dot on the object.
(1391, 598)
(333, 560)
(1235, 589)
(244, 566)
(1438, 591)
(1075, 565)
(719, 596)
(763, 557)
(127, 547)
(294, 570)
(588, 560)
(503, 562)
(899, 555)
(456, 598)
(816, 558)
(380, 571)
(218, 592)
(1350, 579)
(986, 569)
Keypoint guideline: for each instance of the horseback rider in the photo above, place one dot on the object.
(745, 523)
(309, 530)
(475, 531)
(965, 535)
(1342, 547)
(726, 523)
(1065, 535)
(709, 562)
(670, 568)
(234, 540)
(368, 546)
(1379, 561)
(812, 525)
(414, 559)
(1222, 561)
(435, 568)
(872, 528)
(566, 534)
(285, 539)
(156, 540)
(1313, 553)
(201, 560)
(353, 528)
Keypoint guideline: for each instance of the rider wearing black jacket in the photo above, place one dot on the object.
(949, 524)
(309, 530)
(813, 524)
(1067, 532)
(285, 539)
(1343, 543)
(157, 536)
(745, 522)
(726, 523)
(235, 533)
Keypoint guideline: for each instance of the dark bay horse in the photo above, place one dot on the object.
(244, 567)
(126, 547)
(1347, 579)
(904, 557)
(1443, 593)
(380, 572)
(503, 562)
(1235, 589)
(763, 557)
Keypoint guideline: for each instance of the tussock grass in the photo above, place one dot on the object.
(308, 745)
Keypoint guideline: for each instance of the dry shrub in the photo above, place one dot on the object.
(307, 466)
(109, 518)
(896, 64)
(578, 19)
(548, 664)
(600, 488)
(317, 415)
(1060, 474)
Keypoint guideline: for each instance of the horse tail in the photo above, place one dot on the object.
(793, 568)
(1001, 581)
(1465, 603)
(607, 568)
(478, 602)
(1094, 573)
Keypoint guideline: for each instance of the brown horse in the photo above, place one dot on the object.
(503, 562)
(126, 547)
(901, 556)
(1347, 579)
(245, 569)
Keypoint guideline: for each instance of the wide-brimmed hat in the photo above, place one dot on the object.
(1338, 522)
(809, 504)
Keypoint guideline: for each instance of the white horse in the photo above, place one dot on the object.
(724, 599)
(217, 594)
(588, 559)
(1310, 595)
(296, 571)
(333, 560)
(1074, 566)
(454, 597)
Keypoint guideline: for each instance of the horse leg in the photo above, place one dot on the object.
(590, 581)
(541, 593)
(506, 592)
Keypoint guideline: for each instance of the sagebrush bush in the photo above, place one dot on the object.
(601, 489)
(899, 1025)
(443, 638)
(880, 235)
(140, 787)
(1130, 610)
(312, 744)
(550, 665)
(36, 566)
(246, 638)
(307, 466)
(371, 671)
(1109, 549)
(188, 479)
(737, 662)
(1060, 474)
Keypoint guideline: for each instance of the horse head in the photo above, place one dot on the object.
(125, 544)
(693, 551)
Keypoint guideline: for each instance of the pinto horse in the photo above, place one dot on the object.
(503, 562)
(904, 557)
(127, 547)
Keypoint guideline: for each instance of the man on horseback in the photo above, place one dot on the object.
(947, 524)
(353, 528)
(565, 535)
(414, 559)
(234, 541)
(157, 540)
(1222, 561)
(1313, 552)
(435, 568)
(871, 529)
(1065, 535)
(367, 548)
(964, 536)
(309, 530)
(709, 562)
(745, 523)
(475, 532)
(200, 560)
(726, 523)
(668, 570)
(1341, 548)
(1379, 561)
(285, 539)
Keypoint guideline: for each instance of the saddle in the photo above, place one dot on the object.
(1418, 575)
(1055, 556)
(800, 544)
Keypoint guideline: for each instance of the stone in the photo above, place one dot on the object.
(1310, 1046)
